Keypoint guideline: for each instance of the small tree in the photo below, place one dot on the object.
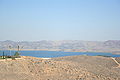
(17, 55)
(3, 55)
(10, 47)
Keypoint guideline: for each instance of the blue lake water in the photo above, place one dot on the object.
(51, 54)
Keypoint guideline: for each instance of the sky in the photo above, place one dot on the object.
(34, 20)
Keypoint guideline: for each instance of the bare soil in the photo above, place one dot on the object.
(63, 68)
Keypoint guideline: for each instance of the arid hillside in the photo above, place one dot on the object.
(63, 68)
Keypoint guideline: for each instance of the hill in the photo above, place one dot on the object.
(65, 45)
(64, 68)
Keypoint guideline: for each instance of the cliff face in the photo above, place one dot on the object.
(64, 68)
(70, 45)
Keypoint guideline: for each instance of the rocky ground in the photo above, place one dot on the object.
(64, 68)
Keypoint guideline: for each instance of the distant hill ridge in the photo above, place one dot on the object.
(65, 45)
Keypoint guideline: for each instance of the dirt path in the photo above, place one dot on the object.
(116, 62)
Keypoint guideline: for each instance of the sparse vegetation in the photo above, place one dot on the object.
(16, 55)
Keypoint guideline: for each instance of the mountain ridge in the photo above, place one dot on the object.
(64, 45)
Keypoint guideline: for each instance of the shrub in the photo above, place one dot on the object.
(17, 55)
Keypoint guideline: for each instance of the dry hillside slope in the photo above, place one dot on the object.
(64, 68)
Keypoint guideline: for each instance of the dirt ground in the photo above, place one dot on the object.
(63, 68)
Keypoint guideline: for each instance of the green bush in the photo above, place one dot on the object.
(17, 54)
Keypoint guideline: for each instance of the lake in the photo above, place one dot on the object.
(51, 54)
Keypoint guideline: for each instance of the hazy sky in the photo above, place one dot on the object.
(33, 20)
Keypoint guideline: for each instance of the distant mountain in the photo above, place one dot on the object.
(65, 45)
(112, 43)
